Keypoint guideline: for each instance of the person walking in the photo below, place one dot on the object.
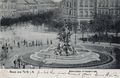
(23, 65)
(3, 66)
(15, 63)
(41, 43)
(24, 42)
(51, 42)
(14, 41)
(18, 45)
(36, 43)
(47, 42)
(18, 60)
(11, 48)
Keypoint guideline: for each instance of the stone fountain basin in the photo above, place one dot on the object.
(50, 58)
(84, 58)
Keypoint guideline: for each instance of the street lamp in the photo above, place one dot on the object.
(87, 31)
(75, 29)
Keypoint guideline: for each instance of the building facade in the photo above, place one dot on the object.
(87, 9)
(108, 7)
(7, 8)
(69, 10)
(16, 8)
(46, 5)
(26, 7)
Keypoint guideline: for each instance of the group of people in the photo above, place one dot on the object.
(5, 49)
(10, 45)
(19, 64)
(31, 43)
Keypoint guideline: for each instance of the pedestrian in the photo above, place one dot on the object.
(6, 44)
(36, 43)
(15, 63)
(11, 48)
(32, 43)
(3, 47)
(14, 41)
(41, 43)
(18, 45)
(47, 42)
(40, 65)
(3, 66)
(24, 42)
(6, 49)
(18, 60)
(23, 65)
(51, 42)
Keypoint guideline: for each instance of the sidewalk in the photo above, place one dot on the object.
(97, 44)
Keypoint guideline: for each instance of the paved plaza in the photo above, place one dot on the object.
(19, 35)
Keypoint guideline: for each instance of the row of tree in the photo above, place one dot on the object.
(102, 24)
(35, 19)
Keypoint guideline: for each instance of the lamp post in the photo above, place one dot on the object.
(87, 31)
(75, 30)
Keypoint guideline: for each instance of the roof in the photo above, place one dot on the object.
(30, 1)
(21, 1)
(26, 1)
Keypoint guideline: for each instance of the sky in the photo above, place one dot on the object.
(57, 0)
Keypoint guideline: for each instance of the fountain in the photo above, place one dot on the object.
(64, 47)
(65, 55)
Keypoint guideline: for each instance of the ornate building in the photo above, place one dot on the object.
(69, 10)
(46, 5)
(26, 7)
(15, 8)
(84, 10)
(7, 8)
(107, 7)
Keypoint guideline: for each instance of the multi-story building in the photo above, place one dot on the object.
(7, 8)
(26, 7)
(16, 8)
(107, 7)
(69, 10)
(86, 9)
(46, 5)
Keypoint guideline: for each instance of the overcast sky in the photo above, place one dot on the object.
(57, 0)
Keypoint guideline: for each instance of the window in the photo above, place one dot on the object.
(86, 3)
(86, 13)
(81, 13)
(70, 4)
(81, 3)
(70, 12)
(13, 1)
(67, 4)
(74, 4)
(91, 3)
(91, 13)
(104, 3)
(100, 3)
(4, 0)
(107, 3)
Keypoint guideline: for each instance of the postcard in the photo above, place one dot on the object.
(59, 38)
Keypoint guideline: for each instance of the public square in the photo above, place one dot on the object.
(44, 40)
